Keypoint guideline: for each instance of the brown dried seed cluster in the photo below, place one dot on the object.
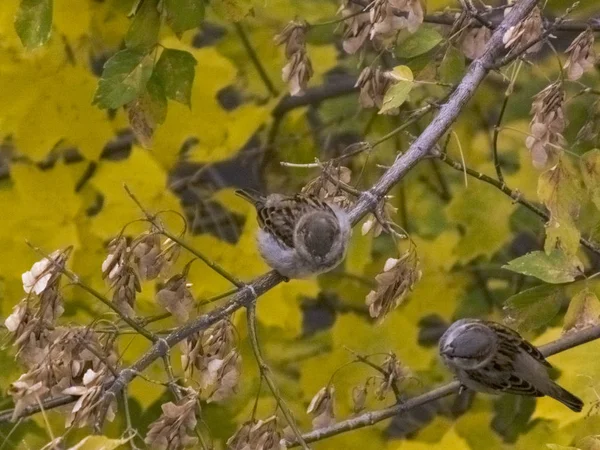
(373, 84)
(382, 22)
(174, 428)
(525, 32)
(393, 284)
(396, 373)
(547, 125)
(298, 71)
(213, 355)
(321, 407)
(257, 435)
(175, 297)
(582, 55)
(56, 358)
(474, 41)
(390, 16)
(359, 398)
(87, 406)
(61, 364)
(127, 264)
(327, 185)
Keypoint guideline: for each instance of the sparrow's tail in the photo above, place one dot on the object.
(251, 196)
(566, 398)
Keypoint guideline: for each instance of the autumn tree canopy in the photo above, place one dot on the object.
(459, 139)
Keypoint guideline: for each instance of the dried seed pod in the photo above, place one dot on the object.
(174, 429)
(393, 284)
(582, 55)
(396, 373)
(293, 36)
(86, 408)
(474, 41)
(525, 32)
(357, 26)
(147, 257)
(175, 297)
(359, 398)
(117, 255)
(373, 84)
(297, 72)
(547, 125)
(126, 285)
(322, 407)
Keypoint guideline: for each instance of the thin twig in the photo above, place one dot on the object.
(512, 193)
(365, 360)
(265, 373)
(255, 60)
(213, 265)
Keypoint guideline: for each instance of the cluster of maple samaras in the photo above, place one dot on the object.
(379, 22)
(58, 359)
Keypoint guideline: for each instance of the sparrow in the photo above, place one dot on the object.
(299, 235)
(489, 357)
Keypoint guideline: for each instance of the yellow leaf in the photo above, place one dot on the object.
(359, 251)
(146, 179)
(479, 209)
(560, 189)
(43, 207)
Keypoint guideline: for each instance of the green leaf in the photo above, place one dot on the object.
(34, 22)
(234, 10)
(398, 92)
(148, 111)
(124, 77)
(533, 308)
(590, 170)
(560, 189)
(452, 67)
(175, 71)
(584, 310)
(423, 40)
(479, 209)
(184, 15)
(556, 267)
(143, 31)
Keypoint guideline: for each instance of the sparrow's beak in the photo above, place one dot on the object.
(448, 350)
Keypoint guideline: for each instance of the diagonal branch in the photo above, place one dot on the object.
(512, 193)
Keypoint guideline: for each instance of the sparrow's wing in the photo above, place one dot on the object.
(280, 218)
(514, 339)
(498, 379)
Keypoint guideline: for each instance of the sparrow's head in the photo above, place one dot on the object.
(468, 344)
(317, 235)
